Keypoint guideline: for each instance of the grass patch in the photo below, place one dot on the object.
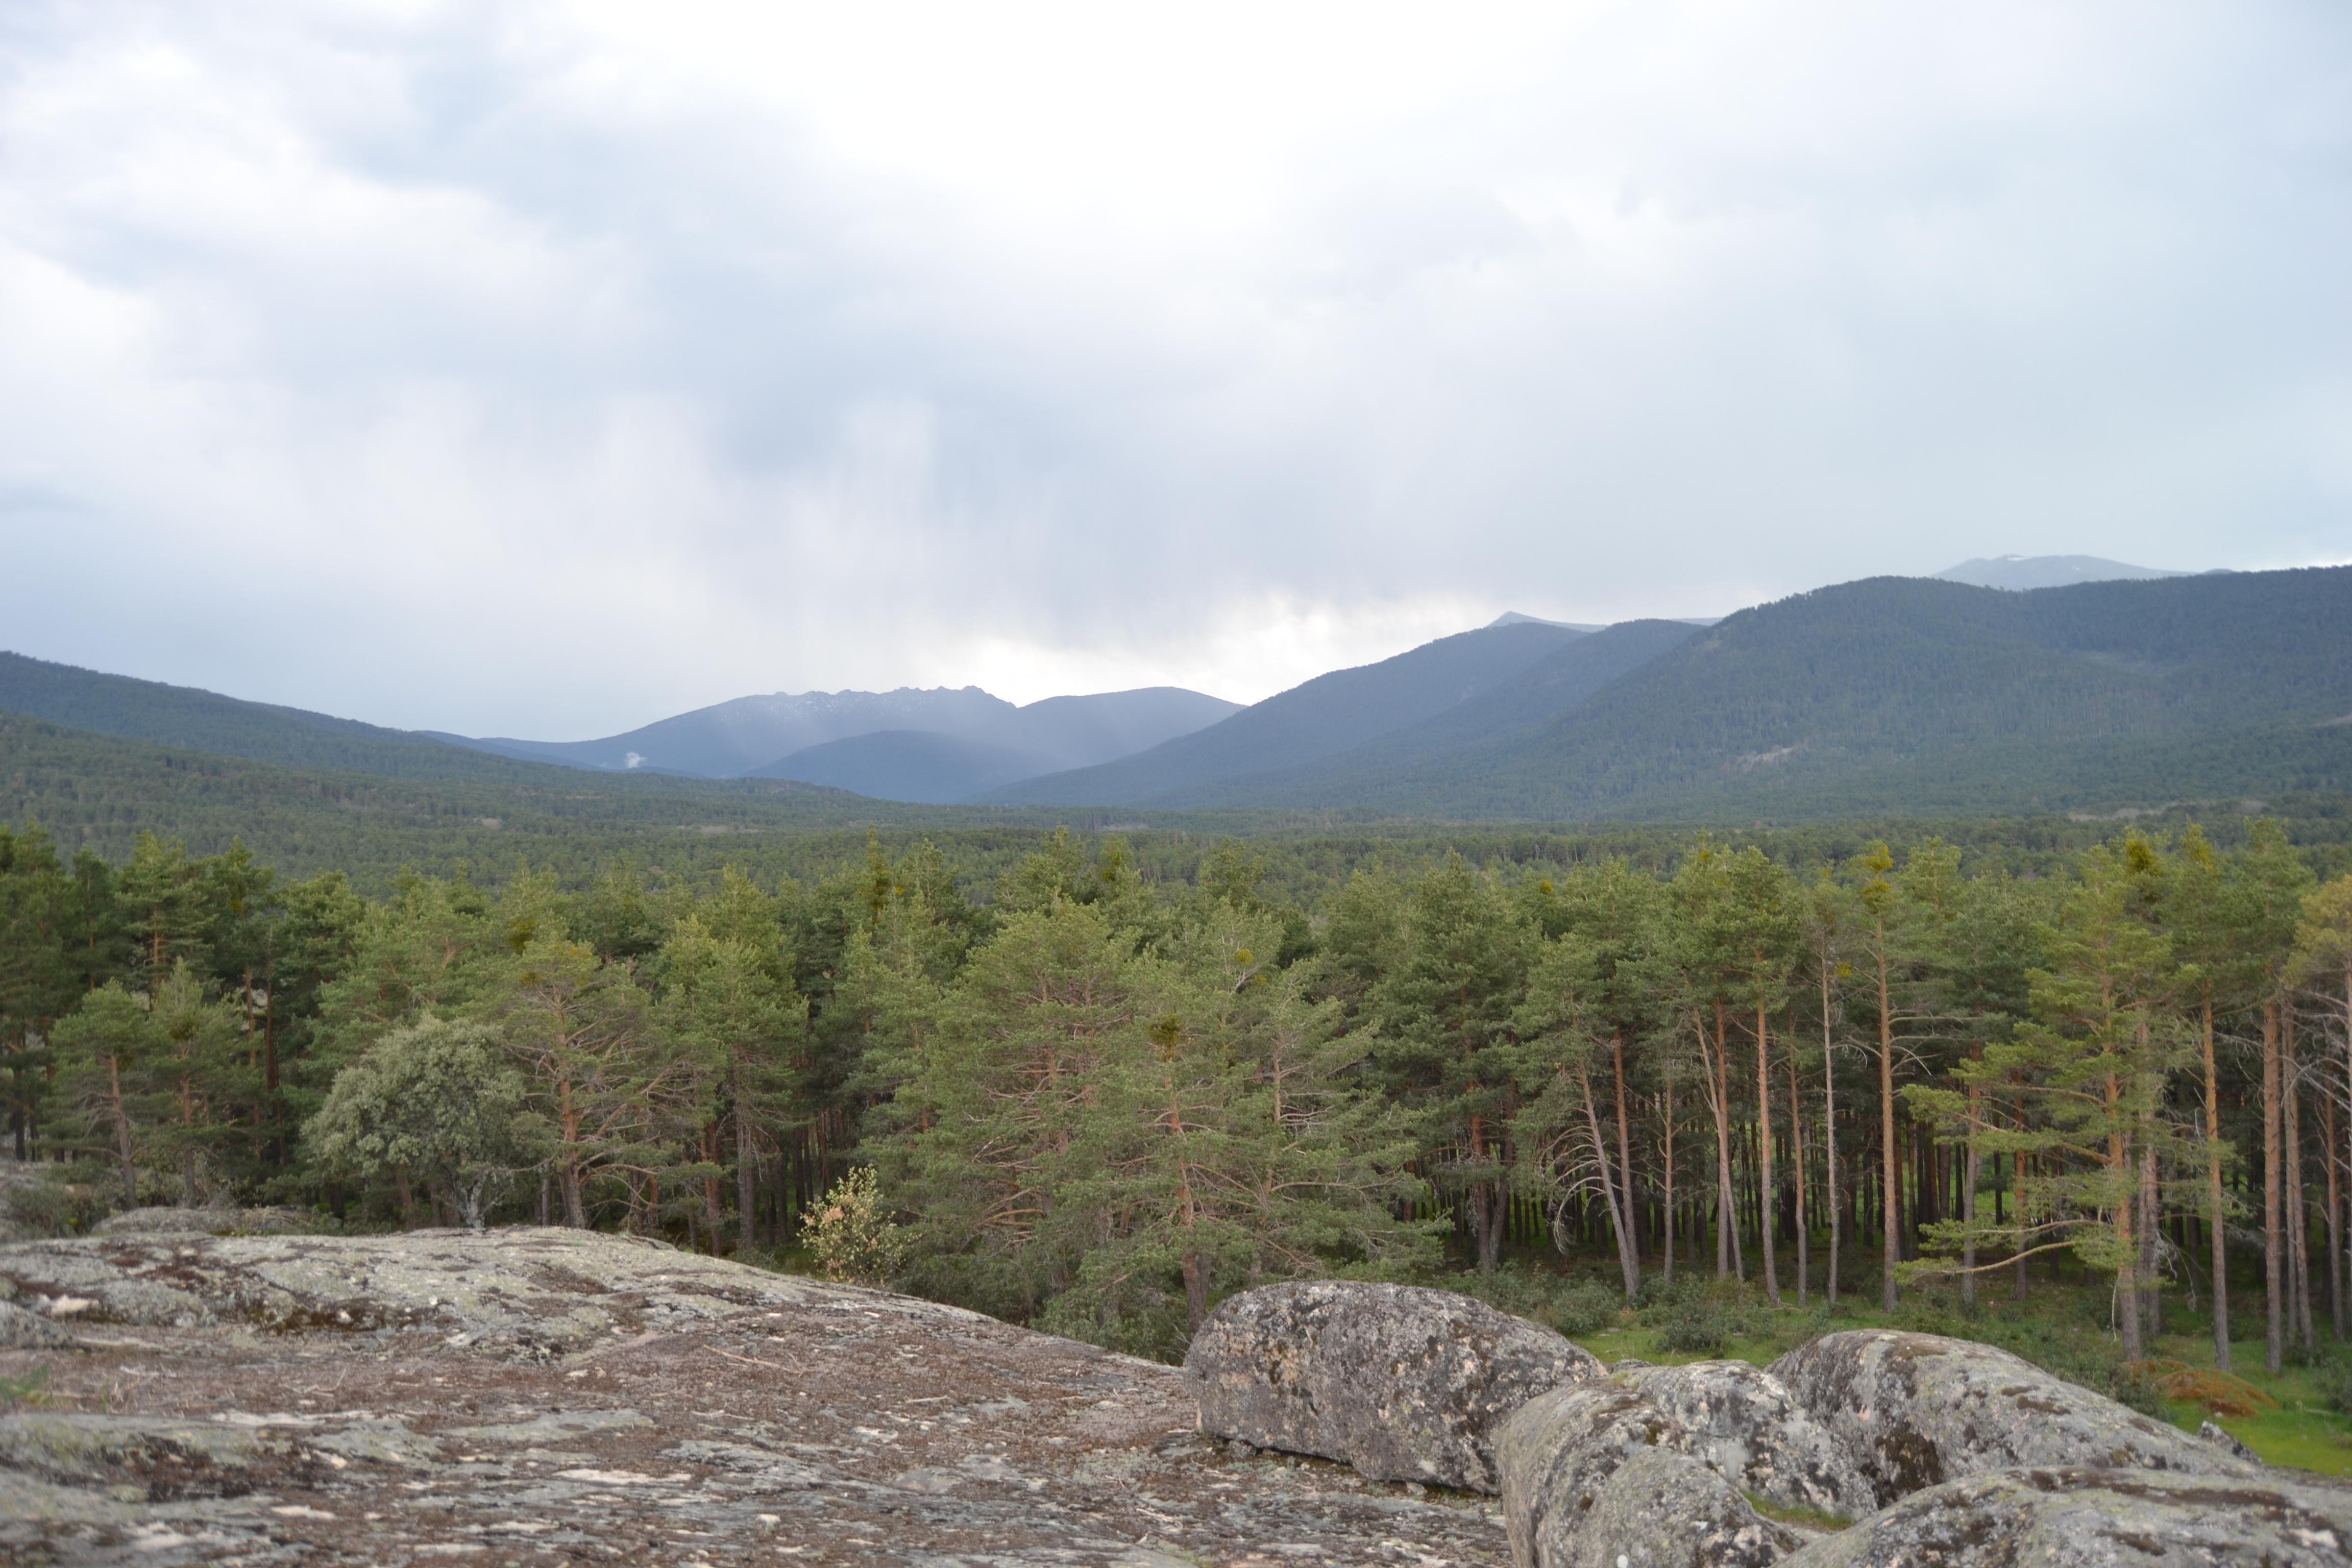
(30, 1389)
(1803, 1518)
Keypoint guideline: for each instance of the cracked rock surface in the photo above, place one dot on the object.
(536, 1396)
(1916, 1410)
(1663, 1509)
(1403, 1383)
(1741, 1421)
(2052, 1518)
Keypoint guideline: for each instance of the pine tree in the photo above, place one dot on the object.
(110, 1051)
(728, 1003)
(2270, 882)
(2106, 1036)
(1441, 1011)
(38, 978)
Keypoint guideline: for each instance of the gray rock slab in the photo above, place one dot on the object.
(1403, 1383)
(1742, 1422)
(529, 1290)
(719, 1414)
(1663, 1509)
(79, 1446)
(1917, 1410)
(2069, 1517)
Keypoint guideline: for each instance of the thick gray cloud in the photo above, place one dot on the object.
(543, 368)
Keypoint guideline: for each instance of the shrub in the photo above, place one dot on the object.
(2334, 1376)
(851, 1237)
(1697, 1329)
(46, 1206)
(1585, 1306)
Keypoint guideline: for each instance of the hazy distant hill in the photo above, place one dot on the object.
(2026, 572)
(920, 765)
(1324, 716)
(752, 734)
(1908, 693)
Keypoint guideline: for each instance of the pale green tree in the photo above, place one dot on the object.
(438, 1102)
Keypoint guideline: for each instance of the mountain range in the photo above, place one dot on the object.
(2024, 572)
(1887, 695)
(865, 741)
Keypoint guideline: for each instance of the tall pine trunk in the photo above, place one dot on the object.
(2298, 1235)
(747, 1165)
(1726, 1213)
(1968, 1208)
(1625, 1157)
(1829, 1137)
(2335, 1217)
(1892, 1175)
(1621, 1216)
(1667, 1100)
(1767, 1195)
(2273, 1264)
(2119, 1168)
(1797, 1157)
(2215, 1209)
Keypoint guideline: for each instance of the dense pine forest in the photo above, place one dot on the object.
(1094, 1088)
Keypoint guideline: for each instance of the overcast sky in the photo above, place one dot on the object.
(544, 369)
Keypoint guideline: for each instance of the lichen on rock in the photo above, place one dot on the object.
(1403, 1383)
(1917, 1410)
(1663, 1510)
(2095, 1517)
(542, 1395)
(1743, 1422)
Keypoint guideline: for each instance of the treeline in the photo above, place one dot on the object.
(1098, 1094)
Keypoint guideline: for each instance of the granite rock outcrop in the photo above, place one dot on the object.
(1403, 1383)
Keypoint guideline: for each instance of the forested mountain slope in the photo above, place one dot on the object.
(1908, 693)
(1323, 717)
(1562, 680)
(102, 792)
(228, 726)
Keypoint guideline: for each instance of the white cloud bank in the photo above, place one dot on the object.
(541, 369)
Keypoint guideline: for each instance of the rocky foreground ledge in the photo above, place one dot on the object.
(1871, 1448)
(535, 1397)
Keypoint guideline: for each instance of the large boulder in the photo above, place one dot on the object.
(1917, 1410)
(2063, 1518)
(1663, 1509)
(1555, 1454)
(1405, 1383)
(1742, 1423)
(1657, 1464)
